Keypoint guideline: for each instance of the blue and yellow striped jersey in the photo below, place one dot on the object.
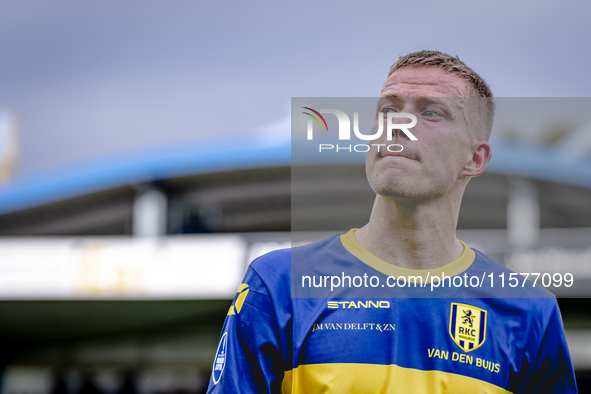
(286, 332)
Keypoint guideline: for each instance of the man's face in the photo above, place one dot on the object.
(431, 166)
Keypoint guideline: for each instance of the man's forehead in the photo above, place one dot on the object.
(423, 81)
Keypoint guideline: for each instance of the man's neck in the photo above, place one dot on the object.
(413, 236)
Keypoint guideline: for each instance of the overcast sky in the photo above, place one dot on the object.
(98, 78)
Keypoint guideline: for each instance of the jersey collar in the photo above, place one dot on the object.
(457, 266)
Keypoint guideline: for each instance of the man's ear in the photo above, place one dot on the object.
(480, 157)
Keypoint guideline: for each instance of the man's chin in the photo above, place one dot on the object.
(398, 192)
(412, 192)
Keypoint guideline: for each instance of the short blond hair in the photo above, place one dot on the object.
(477, 86)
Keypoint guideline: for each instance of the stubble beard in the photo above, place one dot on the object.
(405, 188)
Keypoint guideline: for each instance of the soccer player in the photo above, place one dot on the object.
(414, 309)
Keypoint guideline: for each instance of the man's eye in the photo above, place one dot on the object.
(386, 110)
(431, 113)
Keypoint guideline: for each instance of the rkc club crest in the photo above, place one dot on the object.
(467, 326)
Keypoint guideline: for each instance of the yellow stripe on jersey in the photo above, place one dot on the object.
(457, 266)
(347, 378)
(240, 300)
(243, 292)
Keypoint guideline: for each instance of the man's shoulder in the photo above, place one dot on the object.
(272, 263)
(278, 263)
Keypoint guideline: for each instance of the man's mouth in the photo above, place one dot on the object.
(383, 154)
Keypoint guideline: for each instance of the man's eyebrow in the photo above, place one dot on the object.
(389, 98)
(422, 101)
(419, 100)
(386, 100)
(433, 100)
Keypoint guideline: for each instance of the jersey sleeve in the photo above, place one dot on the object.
(552, 370)
(249, 357)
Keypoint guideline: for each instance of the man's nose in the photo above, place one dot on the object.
(401, 124)
(398, 133)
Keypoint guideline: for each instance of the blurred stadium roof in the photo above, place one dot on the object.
(141, 167)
